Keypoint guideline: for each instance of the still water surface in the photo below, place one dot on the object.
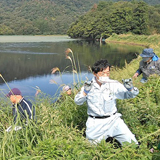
(26, 62)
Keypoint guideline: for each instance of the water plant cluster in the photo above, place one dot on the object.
(59, 132)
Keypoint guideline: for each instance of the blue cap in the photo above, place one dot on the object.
(148, 52)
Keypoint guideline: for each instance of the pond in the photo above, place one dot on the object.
(26, 62)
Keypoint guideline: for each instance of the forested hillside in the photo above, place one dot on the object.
(107, 18)
(43, 16)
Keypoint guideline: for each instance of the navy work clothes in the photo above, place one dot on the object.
(25, 109)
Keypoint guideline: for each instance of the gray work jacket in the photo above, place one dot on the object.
(148, 69)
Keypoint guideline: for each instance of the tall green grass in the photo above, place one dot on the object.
(60, 129)
(144, 40)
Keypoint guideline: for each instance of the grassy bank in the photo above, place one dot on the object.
(152, 41)
(60, 129)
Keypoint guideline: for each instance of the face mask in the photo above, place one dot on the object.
(103, 79)
(145, 59)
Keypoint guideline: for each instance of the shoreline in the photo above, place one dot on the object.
(32, 38)
(152, 41)
(129, 43)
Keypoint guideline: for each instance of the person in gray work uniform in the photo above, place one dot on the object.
(101, 94)
(150, 64)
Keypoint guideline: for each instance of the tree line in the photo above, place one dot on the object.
(107, 18)
(44, 17)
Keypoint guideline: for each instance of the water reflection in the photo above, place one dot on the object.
(30, 64)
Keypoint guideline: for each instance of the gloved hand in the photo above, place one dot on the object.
(128, 84)
(87, 86)
(9, 129)
(16, 128)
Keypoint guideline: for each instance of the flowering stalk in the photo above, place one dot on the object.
(74, 68)
(68, 57)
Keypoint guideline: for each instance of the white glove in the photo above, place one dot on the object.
(9, 129)
(16, 128)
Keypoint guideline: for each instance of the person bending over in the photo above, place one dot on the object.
(150, 64)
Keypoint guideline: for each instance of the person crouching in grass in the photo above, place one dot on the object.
(21, 107)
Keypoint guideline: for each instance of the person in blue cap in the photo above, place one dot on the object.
(150, 64)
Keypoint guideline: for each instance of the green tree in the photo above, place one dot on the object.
(5, 30)
(140, 19)
(121, 17)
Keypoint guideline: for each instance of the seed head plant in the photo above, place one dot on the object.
(74, 67)
(37, 90)
(54, 71)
